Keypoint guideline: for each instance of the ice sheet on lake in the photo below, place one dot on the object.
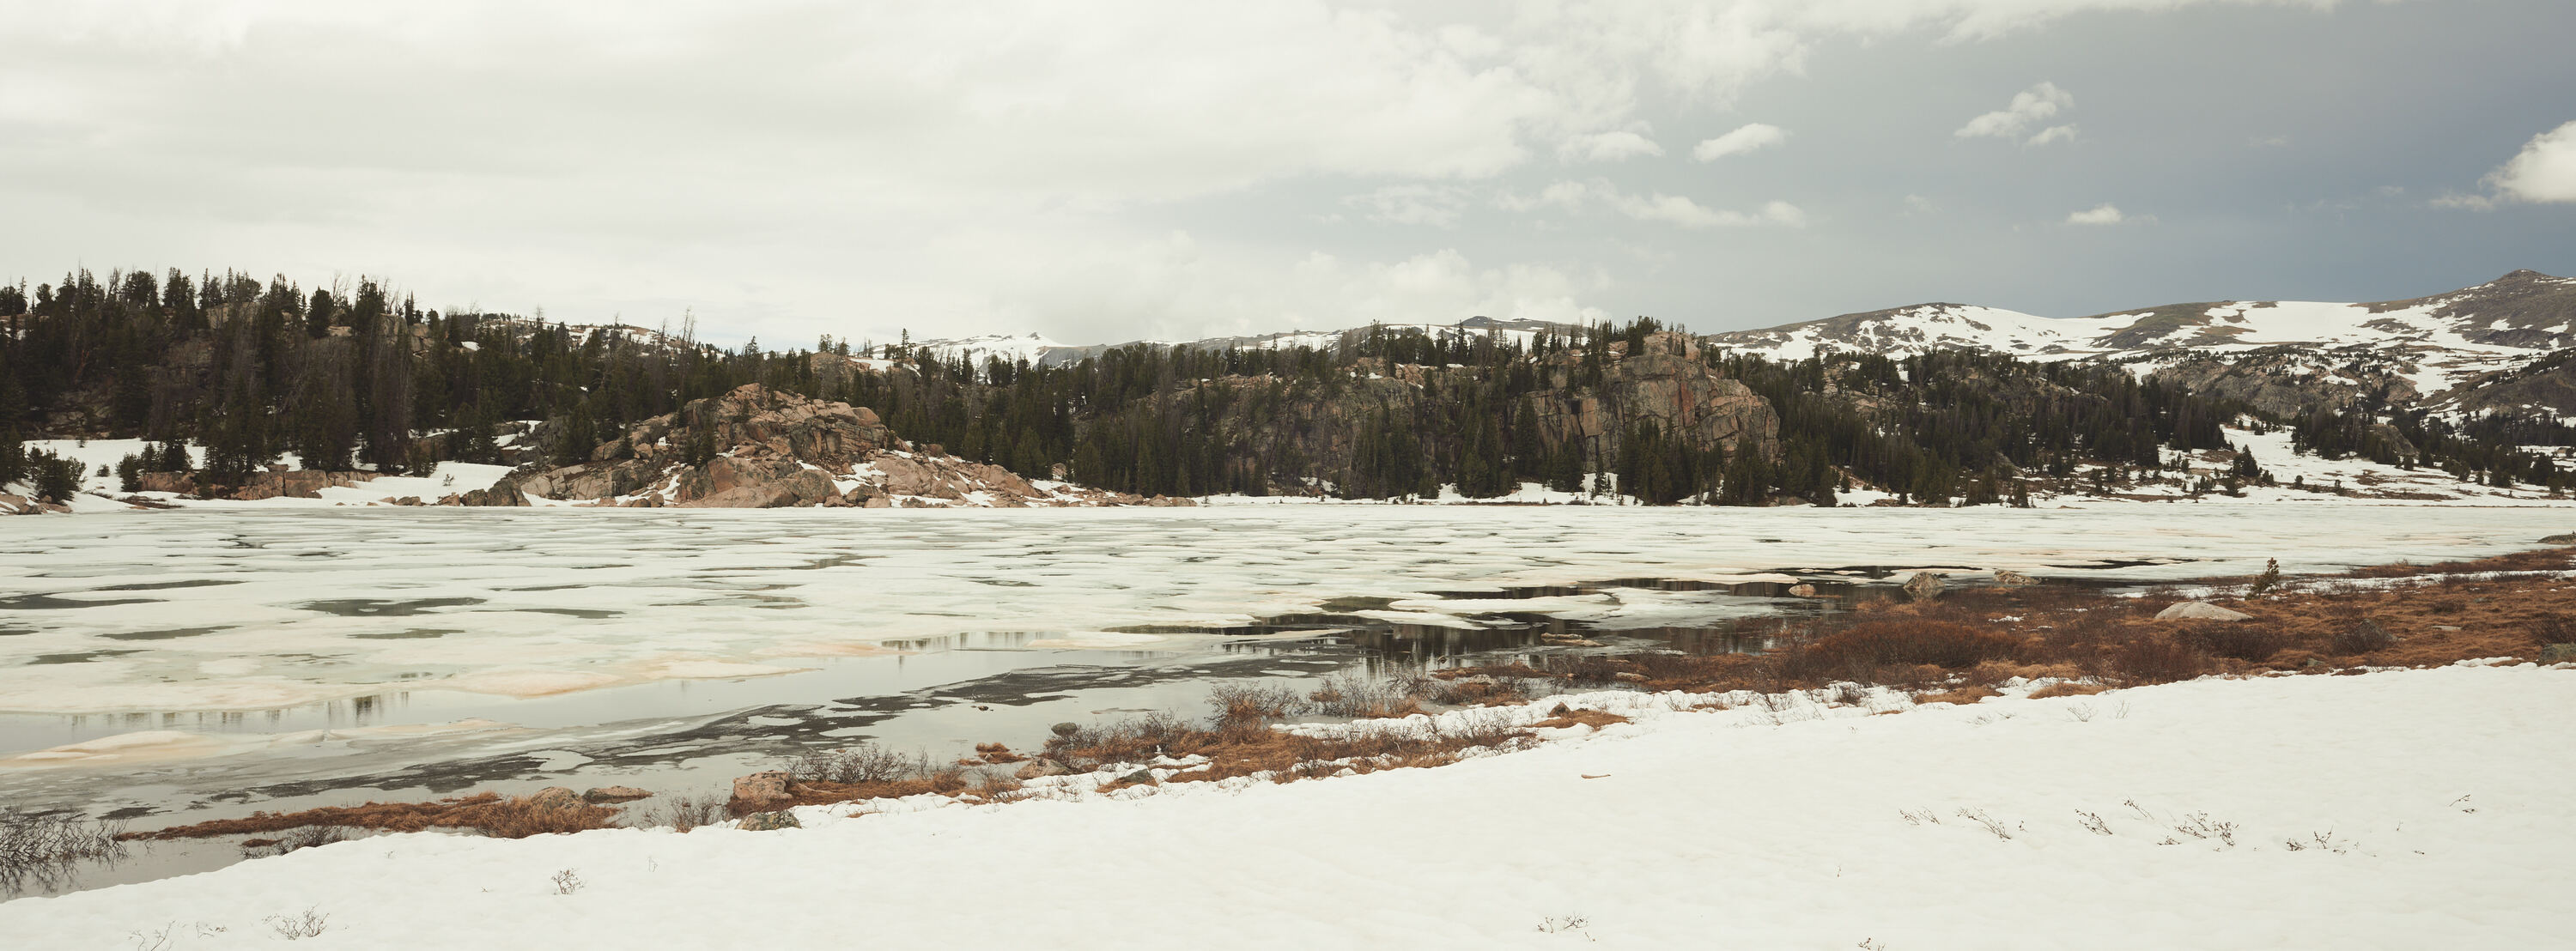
(241, 610)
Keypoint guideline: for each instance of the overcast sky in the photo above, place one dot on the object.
(1104, 172)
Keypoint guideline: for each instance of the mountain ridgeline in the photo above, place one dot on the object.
(356, 374)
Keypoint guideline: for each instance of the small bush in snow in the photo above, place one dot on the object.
(296, 927)
(864, 763)
(1554, 924)
(567, 882)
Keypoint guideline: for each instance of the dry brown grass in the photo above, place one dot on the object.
(515, 817)
(1962, 695)
(2068, 690)
(2510, 606)
(1564, 716)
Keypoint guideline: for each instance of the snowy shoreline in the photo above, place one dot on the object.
(1821, 835)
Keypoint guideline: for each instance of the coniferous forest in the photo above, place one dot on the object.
(359, 375)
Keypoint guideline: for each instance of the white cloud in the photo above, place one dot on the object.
(1606, 147)
(1173, 287)
(2545, 170)
(1919, 205)
(1750, 137)
(2055, 133)
(2029, 107)
(789, 167)
(2102, 214)
(1658, 207)
(1435, 205)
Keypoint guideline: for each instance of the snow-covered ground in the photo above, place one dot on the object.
(449, 478)
(2409, 809)
(259, 609)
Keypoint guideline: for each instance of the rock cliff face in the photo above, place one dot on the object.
(1317, 430)
(1665, 383)
(754, 448)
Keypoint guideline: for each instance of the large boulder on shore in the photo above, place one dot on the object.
(2200, 611)
(504, 493)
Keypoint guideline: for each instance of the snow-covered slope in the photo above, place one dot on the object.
(2212, 814)
(1926, 327)
(1041, 351)
(2437, 342)
(1009, 348)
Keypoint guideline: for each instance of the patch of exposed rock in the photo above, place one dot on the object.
(1666, 382)
(757, 448)
(276, 481)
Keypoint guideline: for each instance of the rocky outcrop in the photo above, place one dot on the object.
(1667, 383)
(275, 482)
(758, 448)
(1303, 432)
(22, 505)
(2288, 381)
(502, 494)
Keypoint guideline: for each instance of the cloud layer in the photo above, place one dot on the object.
(2029, 108)
(794, 167)
(1750, 137)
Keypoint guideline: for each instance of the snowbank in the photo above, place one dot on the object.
(2406, 809)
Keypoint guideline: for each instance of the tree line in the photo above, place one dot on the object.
(358, 373)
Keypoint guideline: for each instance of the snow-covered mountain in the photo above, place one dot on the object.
(1040, 351)
(2447, 350)
(2436, 343)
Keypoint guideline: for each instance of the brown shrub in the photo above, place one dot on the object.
(1961, 695)
(2550, 627)
(2244, 640)
(1857, 652)
(864, 763)
(2363, 636)
(2156, 660)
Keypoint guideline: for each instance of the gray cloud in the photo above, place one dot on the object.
(1166, 169)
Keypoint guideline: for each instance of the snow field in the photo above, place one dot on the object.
(2428, 814)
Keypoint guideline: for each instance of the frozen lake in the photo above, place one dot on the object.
(220, 661)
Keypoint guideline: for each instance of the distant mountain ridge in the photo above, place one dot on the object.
(2444, 349)
(1040, 351)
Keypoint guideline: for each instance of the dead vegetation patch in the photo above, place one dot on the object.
(514, 817)
(1968, 641)
(1564, 716)
(2066, 690)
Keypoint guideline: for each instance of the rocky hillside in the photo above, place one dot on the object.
(757, 448)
